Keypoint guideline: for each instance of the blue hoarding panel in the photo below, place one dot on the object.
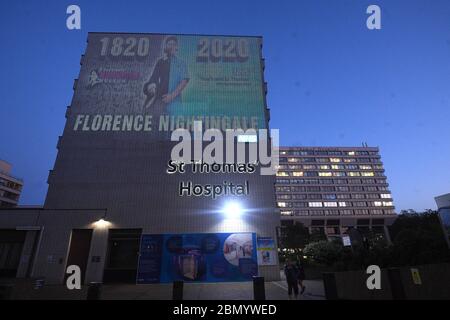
(202, 257)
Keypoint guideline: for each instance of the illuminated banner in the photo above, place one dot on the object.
(202, 257)
(154, 84)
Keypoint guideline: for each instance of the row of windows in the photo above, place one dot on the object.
(338, 181)
(327, 160)
(327, 153)
(334, 204)
(318, 196)
(331, 189)
(10, 184)
(328, 167)
(329, 174)
(345, 212)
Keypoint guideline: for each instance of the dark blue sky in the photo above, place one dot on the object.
(332, 82)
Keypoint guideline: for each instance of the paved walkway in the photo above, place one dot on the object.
(275, 290)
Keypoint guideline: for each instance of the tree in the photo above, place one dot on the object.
(324, 252)
(294, 236)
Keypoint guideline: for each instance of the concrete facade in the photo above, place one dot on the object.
(121, 177)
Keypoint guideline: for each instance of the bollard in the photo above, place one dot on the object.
(177, 293)
(93, 292)
(395, 281)
(329, 283)
(259, 292)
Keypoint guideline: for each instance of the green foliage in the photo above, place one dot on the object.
(416, 239)
(324, 252)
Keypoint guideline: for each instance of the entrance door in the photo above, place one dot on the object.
(11, 244)
(123, 254)
(80, 245)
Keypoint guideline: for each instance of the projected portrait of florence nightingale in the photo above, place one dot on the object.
(168, 79)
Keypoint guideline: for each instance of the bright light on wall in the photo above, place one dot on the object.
(232, 210)
(102, 223)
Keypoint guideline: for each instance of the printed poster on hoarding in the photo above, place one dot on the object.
(203, 257)
(266, 251)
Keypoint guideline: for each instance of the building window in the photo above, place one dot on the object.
(337, 167)
(330, 204)
(349, 160)
(286, 213)
(351, 153)
(309, 167)
(283, 204)
(315, 204)
(282, 174)
(335, 160)
(365, 167)
(329, 196)
(346, 212)
(343, 204)
(284, 197)
(324, 174)
(353, 174)
(385, 196)
(297, 173)
(388, 203)
(339, 174)
(367, 174)
(324, 167)
(300, 205)
(377, 203)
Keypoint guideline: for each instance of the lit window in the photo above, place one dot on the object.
(282, 204)
(353, 174)
(297, 173)
(338, 174)
(342, 204)
(351, 153)
(367, 174)
(330, 204)
(293, 160)
(385, 196)
(324, 174)
(282, 174)
(287, 213)
(377, 203)
(337, 167)
(365, 167)
(335, 160)
(315, 204)
(324, 167)
(387, 204)
(350, 160)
